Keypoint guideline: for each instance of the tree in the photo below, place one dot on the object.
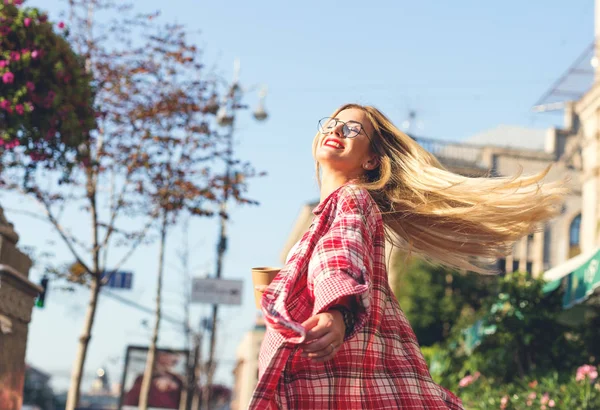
(107, 181)
(434, 297)
(180, 151)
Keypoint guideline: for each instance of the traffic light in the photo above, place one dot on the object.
(39, 302)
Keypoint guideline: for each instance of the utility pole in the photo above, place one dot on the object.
(226, 118)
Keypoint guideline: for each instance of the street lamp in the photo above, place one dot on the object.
(260, 114)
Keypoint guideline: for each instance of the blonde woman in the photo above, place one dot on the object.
(336, 336)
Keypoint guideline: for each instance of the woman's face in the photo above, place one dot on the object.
(343, 144)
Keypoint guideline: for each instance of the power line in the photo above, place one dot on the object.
(141, 308)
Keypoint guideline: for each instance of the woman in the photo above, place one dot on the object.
(336, 337)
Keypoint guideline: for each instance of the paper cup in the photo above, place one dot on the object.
(262, 275)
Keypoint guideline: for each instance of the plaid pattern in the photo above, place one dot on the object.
(380, 365)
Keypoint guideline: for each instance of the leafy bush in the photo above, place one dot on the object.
(570, 391)
(45, 94)
(435, 299)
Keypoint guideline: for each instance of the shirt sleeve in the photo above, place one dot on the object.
(342, 262)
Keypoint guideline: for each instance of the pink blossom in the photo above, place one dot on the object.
(12, 144)
(5, 30)
(61, 25)
(551, 403)
(3, 63)
(8, 78)
(35, 54)
(27, 22)
(586, 371)
(532, 396)
(5, 104)
(30, 86)
(18, 2)
(503, 402)
(545, 399)
(466, 381)
(15, 56)
(20, 109)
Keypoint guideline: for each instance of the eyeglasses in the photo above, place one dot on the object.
(350, 129)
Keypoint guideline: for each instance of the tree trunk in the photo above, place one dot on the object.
(86, 335)
(96, 277)
(150, 360)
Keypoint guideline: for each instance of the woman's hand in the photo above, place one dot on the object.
(325, 335)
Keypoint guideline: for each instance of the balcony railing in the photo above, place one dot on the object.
(454, 154)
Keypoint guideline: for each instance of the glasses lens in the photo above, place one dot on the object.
(351, 129)
(327, 124)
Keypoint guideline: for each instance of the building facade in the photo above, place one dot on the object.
(246, 369)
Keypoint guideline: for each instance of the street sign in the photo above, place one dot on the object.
(119, 279)
(217, 291)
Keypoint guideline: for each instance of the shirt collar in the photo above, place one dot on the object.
(319, 208)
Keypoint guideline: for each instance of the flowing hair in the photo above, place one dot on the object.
(458, 221)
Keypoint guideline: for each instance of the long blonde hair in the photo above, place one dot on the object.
(455, 220)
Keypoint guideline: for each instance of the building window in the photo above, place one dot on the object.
(547, 247)
(529, 267)
(574, 236)
(501, 266)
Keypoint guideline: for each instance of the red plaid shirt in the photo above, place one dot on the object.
(380, 365)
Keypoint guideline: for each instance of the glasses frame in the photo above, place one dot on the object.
(344, 127)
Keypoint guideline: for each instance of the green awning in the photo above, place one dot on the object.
(580, 275)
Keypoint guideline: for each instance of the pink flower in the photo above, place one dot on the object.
(35, 54)
(3, 63)
(5, 30)
(61, 25)
(30, 86)
(545, 399)
(503, 402)
(532, 396)
(551, 403)
(5, 104)
(27, 22)
(586, 371)
(18, 2)
(20, 109)
(466, 381)
(15, 56)
(8, 78)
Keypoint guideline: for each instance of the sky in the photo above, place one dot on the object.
(463, 66)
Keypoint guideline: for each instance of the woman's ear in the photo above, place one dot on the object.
(372, 163)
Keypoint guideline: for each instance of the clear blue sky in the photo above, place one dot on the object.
(464, 66)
